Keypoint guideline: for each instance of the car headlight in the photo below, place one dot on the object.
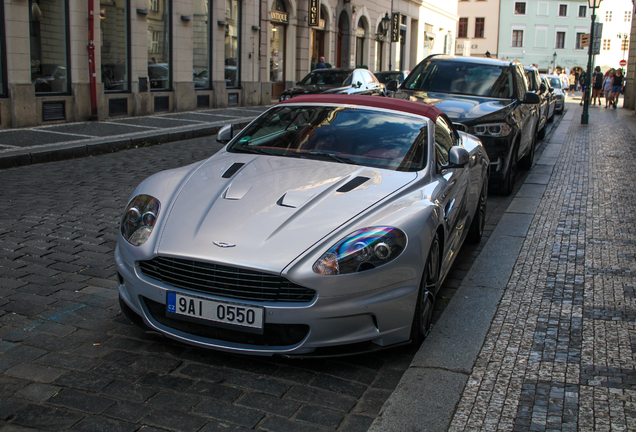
(284, 97)
(362, 250)
(492, 129)
(139, 219)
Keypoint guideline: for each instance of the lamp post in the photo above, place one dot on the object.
(585, 117)
(554, 56)
(385, 22)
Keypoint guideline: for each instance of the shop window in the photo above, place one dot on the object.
(3, 62)
(232, 43)
(201, 46)
(159, 45)
(48, 31)
(114, 29)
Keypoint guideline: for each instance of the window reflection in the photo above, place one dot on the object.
(48, 42)
(232, 32)
(200, 45)
(113, 18)
(159, 37)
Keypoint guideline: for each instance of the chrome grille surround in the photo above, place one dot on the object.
(225, 281)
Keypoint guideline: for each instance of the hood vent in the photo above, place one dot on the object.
(232, 170)
(348, 187)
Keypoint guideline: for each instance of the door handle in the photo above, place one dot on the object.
(448, 208)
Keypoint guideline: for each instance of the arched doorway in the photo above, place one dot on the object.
(279, 18)
(318, 37)
(342, 46)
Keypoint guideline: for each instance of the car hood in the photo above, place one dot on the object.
(312, 89)
(459, 108)
(269, 212)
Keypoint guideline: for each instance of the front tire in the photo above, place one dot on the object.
(508, 182)
(426, 295)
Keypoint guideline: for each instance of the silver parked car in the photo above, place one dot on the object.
(557, 93)
(324, 227)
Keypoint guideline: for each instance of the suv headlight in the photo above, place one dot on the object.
(284, 97)
(139, 219)
(492, 129)
(362, 250)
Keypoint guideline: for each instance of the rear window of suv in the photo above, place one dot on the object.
(462, 78)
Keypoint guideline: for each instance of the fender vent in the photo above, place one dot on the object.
(232, 170)
(348, 187)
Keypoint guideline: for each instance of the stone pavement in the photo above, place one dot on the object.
(557, 351)
(19, 147)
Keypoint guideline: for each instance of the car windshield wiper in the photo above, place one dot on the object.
(334, 156)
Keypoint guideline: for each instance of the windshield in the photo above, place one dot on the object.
(385, 77)
(325, 77)
(352, 135)
(461, 78)
(555, 81)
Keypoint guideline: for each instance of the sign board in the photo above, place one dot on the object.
(278, 16)
(585, 40)
(623, 63)
(598, 34)
(313, 13)
(395, 27)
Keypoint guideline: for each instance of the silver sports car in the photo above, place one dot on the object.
(324, 227)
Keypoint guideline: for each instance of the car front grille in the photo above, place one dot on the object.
(226, 281)
(273, 334)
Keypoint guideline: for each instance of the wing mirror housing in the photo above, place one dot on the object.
(531, 98)
(392, 85)
(543, 88)
(358, 84)
(458, 157)
(225, 134)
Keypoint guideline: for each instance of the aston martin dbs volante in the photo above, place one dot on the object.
(324, 227)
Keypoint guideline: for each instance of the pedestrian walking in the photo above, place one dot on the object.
(572, 83)
(597, 85)
(565, 82)
(607, 87)
(583, 78)
(617, 86)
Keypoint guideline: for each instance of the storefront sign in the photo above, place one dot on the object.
(278, 16)
(360, 32)
(395, 27)
(314, 7)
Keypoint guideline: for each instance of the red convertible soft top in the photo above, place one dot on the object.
(418, 108)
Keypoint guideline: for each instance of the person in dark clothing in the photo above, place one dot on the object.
(582, 78)
(597, 85)
(321, 63)
(617, 86)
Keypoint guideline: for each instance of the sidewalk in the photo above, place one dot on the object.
(39, 144)
(541, 335)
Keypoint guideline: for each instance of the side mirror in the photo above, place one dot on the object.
(458, 157)
(225, 134)
(531, 98)
(392, 85)
(358, 84)
(542, 88)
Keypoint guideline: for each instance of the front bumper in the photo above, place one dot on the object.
(380, 315)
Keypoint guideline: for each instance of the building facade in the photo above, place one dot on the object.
(477, 28)
(547, 34)
(152, 56)
(616, 16)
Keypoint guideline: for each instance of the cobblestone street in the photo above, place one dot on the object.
(560, 352)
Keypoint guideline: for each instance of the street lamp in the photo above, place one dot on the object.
(386, 20)
(585, 117)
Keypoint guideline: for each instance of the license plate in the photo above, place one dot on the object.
(217, 311)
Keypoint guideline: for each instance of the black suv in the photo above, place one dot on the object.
(486, 97)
